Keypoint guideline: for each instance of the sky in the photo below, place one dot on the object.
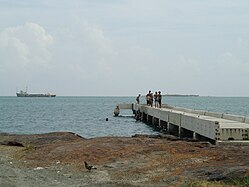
(124, 47)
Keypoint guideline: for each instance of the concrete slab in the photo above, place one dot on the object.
(231, 142)
(125, 106)
(234, 117)
(201, 126)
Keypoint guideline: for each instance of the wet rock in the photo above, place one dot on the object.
(221, 173)
(203, 145)
(215, 175)
(145, 136)
(236, 171)
(12, 143)
(39, 139)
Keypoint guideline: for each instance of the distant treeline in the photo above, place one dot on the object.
(182, 95)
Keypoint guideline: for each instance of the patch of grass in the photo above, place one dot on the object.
(29, 148)
(203, 183)
(238, 181)
(231, 182)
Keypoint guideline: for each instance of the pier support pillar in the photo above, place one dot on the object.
(168, 131)
(194, 135)
(180, 133)
(173, 129)
(153, 121)
(150, 119)
(185, 133)
(156, 122)
(163, 126)
(144, 118)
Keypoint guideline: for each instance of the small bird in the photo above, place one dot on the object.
(89, 167)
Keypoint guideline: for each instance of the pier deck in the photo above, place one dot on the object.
(217, 128)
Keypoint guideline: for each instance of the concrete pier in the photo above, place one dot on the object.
(218, 128)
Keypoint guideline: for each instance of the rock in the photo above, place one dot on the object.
(215, 175)
(38, 168)
(221, 173)
(145, 136)
(12, 143)
(236, 171)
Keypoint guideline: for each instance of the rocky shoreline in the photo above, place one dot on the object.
(57, 159)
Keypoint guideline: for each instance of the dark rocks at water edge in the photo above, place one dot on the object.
(46, 138)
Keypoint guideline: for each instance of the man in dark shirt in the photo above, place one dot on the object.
(138, 99)
(148, 98)
(159, 98)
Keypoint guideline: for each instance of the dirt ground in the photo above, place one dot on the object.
(57, 159)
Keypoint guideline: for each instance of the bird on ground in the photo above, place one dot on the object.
(89, 167)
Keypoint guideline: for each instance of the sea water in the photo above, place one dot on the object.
(87, 116)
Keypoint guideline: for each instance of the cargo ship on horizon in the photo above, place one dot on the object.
(26, 94)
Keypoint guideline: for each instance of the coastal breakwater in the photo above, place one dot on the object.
(217, 128)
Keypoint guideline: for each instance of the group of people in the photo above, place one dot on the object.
(151, 98)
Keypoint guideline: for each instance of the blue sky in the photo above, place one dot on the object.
(124, 47)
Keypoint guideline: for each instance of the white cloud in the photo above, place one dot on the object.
(24, 46)
(85, 49)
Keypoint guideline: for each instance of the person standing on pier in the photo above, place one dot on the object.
(156, 99)
(159, 99)
(151, 99)
(148, 98)
(138, 99)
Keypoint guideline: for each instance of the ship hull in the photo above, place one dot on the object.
(34, 95)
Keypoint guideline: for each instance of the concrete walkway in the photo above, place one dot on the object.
(196, 124)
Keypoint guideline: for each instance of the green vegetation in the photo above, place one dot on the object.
(238, 181)
(29, 148)
(231, 182)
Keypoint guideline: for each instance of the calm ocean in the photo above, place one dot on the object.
(87, 115)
